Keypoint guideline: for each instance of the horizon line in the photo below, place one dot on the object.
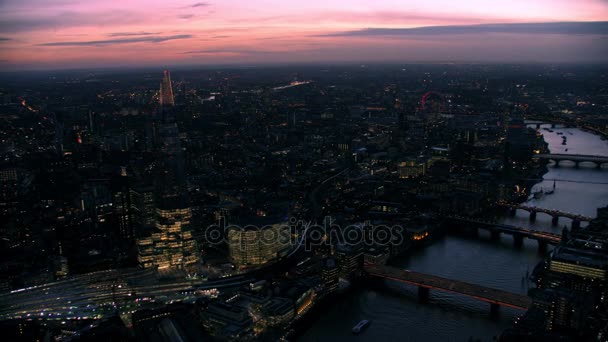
(238, 65)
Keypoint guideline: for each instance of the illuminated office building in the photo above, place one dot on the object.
(143, 207)
(330, 275)
(582, 263)
(350, 260)
(171, 245)
(121, 203)
(252, 246)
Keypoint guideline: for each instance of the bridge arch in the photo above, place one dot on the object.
(577, 159)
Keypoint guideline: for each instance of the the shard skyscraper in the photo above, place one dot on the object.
(171, 245)
(166, 90)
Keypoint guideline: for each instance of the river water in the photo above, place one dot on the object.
(394, 308)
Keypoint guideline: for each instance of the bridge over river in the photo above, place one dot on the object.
(426, 282)
(518, 233)
(575, 158)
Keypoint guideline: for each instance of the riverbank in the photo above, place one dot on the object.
(301, 325)
(361, 284)
(394, 307)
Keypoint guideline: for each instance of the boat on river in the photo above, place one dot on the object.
(361, 326)
(552, 190)
(538, 194)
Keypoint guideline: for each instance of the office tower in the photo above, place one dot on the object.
(171, 244)
(170, 178)
(252, 246)
(350, 260)
(96, 199)
(585, 264)
(518, 144)
(330, 274)
(143, 207)
(564, 311)
(122, 209)
(166, 91)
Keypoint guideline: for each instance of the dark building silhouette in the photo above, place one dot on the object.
(166, 91)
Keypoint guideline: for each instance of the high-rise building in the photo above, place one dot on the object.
(171, 244)
(96, 199)
(121, 202)
(350, 260)
(251, 246)
(563, 309)
(166, 91)
(518, 145)
(330, 274)
(586, 264)
(143, 207)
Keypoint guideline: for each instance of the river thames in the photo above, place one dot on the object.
(394, 308)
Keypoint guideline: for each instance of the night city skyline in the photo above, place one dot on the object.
(304, 170)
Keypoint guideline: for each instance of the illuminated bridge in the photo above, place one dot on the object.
(426, 282)
(576, 158)
(518, 233)
(555, 214)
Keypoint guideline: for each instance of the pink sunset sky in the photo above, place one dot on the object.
(49, 34)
